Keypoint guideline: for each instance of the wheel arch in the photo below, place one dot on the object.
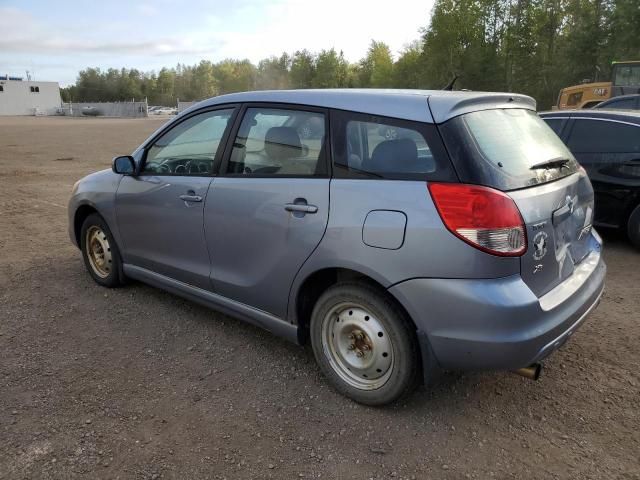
(79, 216)
(316, 283)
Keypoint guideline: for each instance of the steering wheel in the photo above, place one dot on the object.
(163, 168)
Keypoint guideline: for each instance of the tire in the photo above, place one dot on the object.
(364, 344)
(633, 227)
(100, 252)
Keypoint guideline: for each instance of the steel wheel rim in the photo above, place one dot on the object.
(98, 251)
(357, 346)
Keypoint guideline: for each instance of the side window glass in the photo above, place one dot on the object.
(189, 148)
(598, 136)
(574, 99)
(627, 103)
(382, 148)
(555, 124)
(279, 142)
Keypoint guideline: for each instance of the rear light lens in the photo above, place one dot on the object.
(485, 218)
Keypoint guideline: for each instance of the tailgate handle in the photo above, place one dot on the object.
(560, 215)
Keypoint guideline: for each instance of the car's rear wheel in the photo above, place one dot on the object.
(633, 227)
(100, 252)
(364, 344)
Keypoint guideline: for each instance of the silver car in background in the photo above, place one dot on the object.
(464, 240)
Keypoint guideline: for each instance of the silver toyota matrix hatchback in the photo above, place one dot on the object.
(398, 232)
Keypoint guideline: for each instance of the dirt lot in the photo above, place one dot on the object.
(136, 383)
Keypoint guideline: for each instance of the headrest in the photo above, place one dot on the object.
(282, 142)
(393, 155)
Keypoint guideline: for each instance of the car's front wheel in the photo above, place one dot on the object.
(100, 252)
(364, 344)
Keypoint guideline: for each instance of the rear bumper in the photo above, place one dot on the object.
(498, 323)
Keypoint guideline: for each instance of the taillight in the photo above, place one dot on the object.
(483, 217)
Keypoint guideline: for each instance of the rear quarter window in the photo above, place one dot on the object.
(368, 146)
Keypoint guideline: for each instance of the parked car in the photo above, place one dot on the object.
(91, 111)
(163, 111)
(465, 244)
(607, 144)
(625, 102)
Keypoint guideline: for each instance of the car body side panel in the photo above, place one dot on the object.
(428, 250)
(496, 323)
(257, 246)
(162, 232)
(98, 191)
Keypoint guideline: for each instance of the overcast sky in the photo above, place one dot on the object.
(54, 40)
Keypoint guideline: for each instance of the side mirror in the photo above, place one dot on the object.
(124, 165)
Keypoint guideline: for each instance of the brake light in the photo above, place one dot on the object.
(485, 218)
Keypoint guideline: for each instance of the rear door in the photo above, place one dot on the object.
(513, 150)
(160, 211)
(268, 210)
(609, 150)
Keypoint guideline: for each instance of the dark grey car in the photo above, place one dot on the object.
(607, 144)
(463, 241)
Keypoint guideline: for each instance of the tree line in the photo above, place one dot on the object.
(534, 47)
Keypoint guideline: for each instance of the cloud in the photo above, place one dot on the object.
(24, 34)
(148, 35)
(62, 46)
(289, 25)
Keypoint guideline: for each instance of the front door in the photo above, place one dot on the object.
(268, 211)
(160, 211)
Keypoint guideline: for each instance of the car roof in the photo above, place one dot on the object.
(431, 106)
(606, 102)
(631, 116)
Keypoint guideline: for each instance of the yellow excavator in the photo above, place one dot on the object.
(625, 80)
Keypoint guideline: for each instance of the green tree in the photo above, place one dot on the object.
(409, 71)
(302, 70)
(273, 73)
(235, 75)
(376, 69)
(330, 70)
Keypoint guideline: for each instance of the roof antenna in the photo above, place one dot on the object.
(450, 85)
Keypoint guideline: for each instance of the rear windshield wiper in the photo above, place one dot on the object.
(553, 163)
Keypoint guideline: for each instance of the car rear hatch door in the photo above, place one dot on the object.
(558, 218)
(514, 151)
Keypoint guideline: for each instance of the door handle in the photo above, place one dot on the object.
(191, 198)
(302, 208)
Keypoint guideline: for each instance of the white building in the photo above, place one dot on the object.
(28, 98)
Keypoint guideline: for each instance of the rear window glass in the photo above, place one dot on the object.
(506, 149)
(627, 75)
(366, 145)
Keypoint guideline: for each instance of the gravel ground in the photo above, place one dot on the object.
(136, 383)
